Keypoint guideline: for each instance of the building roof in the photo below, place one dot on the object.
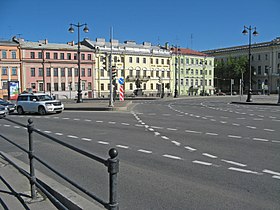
(187, 51)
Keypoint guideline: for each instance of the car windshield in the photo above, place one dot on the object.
(44, 98)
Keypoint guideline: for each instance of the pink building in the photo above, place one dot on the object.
(53, 68)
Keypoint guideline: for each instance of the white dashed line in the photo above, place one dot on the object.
(275, 141)
(112, 122)
(76, 119)
(156, 133)
(172, 157)
(270, 130)
(252, 127)
(155, 127)
(164, 137)
(7, 125)
(202, 163)
(271, 172)
(234, 163)
(125, 123)
(190, 131)
(212, 134)
(99, 121)
(65, 118)
(88, 120)
(276, 177)
(86, 139)
(244, 170)
(235, 124)
(209, 155)
(73, 137)
(103, 142)
(16, 126)
(47, 131)
(190, 149)
(172, 129)
(59, 134)
(144, 151)
(176, 143)
(236, 137)
(122, 146)
(259, 139)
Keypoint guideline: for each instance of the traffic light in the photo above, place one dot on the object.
(104, 62)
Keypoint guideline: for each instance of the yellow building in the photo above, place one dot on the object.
(151, 65)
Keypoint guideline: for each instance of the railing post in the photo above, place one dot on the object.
(31, 159)
(113, 169)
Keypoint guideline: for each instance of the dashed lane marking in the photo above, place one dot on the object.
(122, 146)
(209, 155)
(59, 134)
(103, 142)
(190, 149)
(172, 157)
(86, 139)
(145, 151)
(73, 137)
(259, 139)
(236, 137)
(271, 172)
(191, 131)
(234, 163)
(202, 163)
(244, 171)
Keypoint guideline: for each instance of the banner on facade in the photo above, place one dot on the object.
(13, 90)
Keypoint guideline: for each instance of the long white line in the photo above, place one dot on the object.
(212, 134)
(271, 172)
(244, 170)
(259, 139)
(234, 163)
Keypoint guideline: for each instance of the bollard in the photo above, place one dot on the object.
(113, 169)
(31, 159)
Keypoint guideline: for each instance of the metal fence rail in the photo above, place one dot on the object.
(111, 163)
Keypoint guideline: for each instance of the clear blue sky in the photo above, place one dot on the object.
(200, 25)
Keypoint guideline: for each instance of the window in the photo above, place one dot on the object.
(168, 74)
(152, 61)
(130, 59)
(168, 61)
(33, 85)
(69, 56)
(83, 73)
(32, 72)
(48, 86)
(4, 54)
(61, 56)
(40, 72)
(152, 73)
(89, 57)
(210, 82)
(187, 60)
(62, 72)
(89, 86)
(144, 86)
(187, 82)
(48, 72)
(41, 86)
(55, 56)
(130, 73)
(192, 61)
(196, 71)
(259, 70)
(162, 61)
(157, 61)
(102, 72)
(63, 86)
(76, 72)
(40, 55)
(48, 55)
(89, 72)
(137, 60)
(266, 57)
(83, 85)
(83, 56)
(75, 56)
(138, 73)
(56, 86)
(144, 60)
(69, 72)
(14, 71)
(152, 86)
(102, 86)
(162, 74)
(55, 72)
(182, 61)
(182, 81)
(278, 55)
(32, 55)
(259, 57)
(108, 86)
(157, 73)
(130, 86)
(144, 73)
(14, 54)
(4, 70)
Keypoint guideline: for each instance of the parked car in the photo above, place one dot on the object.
(10, 106)
(3, 111)
(38, 103)
(220, 94)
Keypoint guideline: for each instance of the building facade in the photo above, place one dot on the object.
(53, 68)
(9, 66)
(265, 62)
(151, 65)
(194, 72)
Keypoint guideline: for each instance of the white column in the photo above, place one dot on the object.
(52, 80)
(66, 79)
(59, 79)
(19, 76)
(9, 73)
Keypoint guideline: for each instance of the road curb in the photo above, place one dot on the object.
(253, 103)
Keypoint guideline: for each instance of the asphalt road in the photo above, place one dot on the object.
(179, 154)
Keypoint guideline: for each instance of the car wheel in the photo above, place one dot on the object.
(20, 110)
(42, 110)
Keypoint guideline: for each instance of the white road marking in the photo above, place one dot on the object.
(213, 120)
(271, 172)
(73, 137)
(190, 131)
(87, 120)
(112, 122)
(144, 151)
(164, 137)
(244, 170)
(151, 129)
(99, 121)
(190, 149)
(102, 142)
(235, 124)
(172, 129)
(276, 177)
(7, 125)
(202, 163)
(212, 134)
(258, 119)
(176, 143)
(236, 137)
(152, 114)
(86, 139)
(275, 141)
(59, 134)
(259, 139)
(137, 125)
(125, 124)
(122, 146)
(76, 119)
(223, 122)
(209, 155)
(16, 126)
(252, 127)
(172, 157)
(155, 127)
(166, 114)
(270, 130)
(234, 163)
(156, 133)
(65, 118)
(47, 131)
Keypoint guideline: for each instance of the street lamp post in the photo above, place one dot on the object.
(71, 30)
(255, 33)
(176, 72)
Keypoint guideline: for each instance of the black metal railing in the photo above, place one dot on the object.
(111, 163)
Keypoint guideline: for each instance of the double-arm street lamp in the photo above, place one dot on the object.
(177, 58)
(255, 33)
(71, 30)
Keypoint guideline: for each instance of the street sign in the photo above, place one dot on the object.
(121, 81)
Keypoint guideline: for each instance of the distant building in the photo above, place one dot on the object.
(53, 68)
(265, 62)
(9, 65)
(151, 65)
(194, 72)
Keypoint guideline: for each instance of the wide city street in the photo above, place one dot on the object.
(190, 153)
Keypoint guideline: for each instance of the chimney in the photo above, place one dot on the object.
(71, 43)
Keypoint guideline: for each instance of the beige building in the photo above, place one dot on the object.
(265, 62)
(194, 72)
(132, 61)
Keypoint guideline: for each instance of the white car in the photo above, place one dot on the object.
(3, 111)
(38, 103)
